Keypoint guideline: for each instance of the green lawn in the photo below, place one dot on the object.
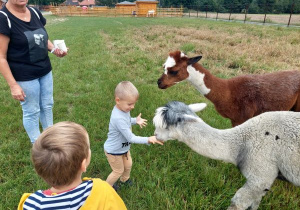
(105, 51)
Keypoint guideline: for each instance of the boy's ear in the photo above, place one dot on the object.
(117, 99)
(83, 165)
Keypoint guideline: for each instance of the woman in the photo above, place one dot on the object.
(25, 64)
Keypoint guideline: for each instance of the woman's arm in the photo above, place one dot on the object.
(16, 91)
(50, 46)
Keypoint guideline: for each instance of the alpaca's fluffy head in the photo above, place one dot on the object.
(175, 69)
(167, 119)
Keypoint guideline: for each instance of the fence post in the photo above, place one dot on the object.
(217, 12)
(265, 12)
(246, 11)
(206, 11)
(181, 10)
(230, 11)
(265, 18)
(189, 12)
(292, 8)
(197, 11)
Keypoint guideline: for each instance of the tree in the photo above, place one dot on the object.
(233, 6)
(254, 8)
(267, 6)
(109, 3)
(45, 2)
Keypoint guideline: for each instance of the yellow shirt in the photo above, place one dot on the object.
(102, 197)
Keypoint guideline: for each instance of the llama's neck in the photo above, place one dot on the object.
(211, 142)
(206, 83)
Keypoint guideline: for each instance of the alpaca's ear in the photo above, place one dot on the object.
(189, 118)
(197, 107)
(194, 60)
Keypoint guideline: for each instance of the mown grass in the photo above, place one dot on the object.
(105, 51)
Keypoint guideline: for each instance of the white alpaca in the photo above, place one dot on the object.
(262, 147)
(151, 12)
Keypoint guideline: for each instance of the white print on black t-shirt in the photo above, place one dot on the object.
(38, 38)
(37, 44)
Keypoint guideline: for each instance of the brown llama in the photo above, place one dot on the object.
(238, 98)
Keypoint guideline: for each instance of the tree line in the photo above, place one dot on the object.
(224, 6)
(237, 6)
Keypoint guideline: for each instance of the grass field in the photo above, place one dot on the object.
(105, 51)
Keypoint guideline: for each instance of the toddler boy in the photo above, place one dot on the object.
(120, 136)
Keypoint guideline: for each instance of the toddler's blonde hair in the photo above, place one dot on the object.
(126, 89)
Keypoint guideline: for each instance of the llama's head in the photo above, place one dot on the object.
(168, 118)
(175, 69)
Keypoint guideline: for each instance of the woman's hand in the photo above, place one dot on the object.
(59, 53)
(17, 92)
(140, 121)
(56, 51)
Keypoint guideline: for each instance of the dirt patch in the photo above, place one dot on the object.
(53, 21)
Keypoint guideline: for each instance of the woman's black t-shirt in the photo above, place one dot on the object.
(27, 53)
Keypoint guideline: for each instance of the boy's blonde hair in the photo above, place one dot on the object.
(126, 89)
(58, 153)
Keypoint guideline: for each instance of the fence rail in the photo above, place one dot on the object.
(287, 13)
(285, 19)
(170, 12)
(114, 12)
(266, 18)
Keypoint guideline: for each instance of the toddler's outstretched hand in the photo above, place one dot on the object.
(142, 122)
(153, 140)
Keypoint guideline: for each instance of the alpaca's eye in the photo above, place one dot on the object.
(173, 72)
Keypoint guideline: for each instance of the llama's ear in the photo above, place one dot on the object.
(197, 107)
(194, 60)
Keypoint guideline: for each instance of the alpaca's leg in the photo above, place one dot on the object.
(249, 196)
(233, 123)
(296, 106)
(260, 178)
(256, 203)
(241, 119)
(243, 114)
(238, 121)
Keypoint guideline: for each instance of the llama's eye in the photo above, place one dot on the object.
(173, 72)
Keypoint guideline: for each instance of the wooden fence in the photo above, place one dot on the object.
(170, 12)
(113, 12)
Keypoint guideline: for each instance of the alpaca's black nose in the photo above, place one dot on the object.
(159, 82)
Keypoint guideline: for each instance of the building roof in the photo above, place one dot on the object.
(87, 2)
(147, 1)
(126, 3)
(71, 2)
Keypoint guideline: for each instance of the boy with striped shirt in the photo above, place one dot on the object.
(60, 155)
